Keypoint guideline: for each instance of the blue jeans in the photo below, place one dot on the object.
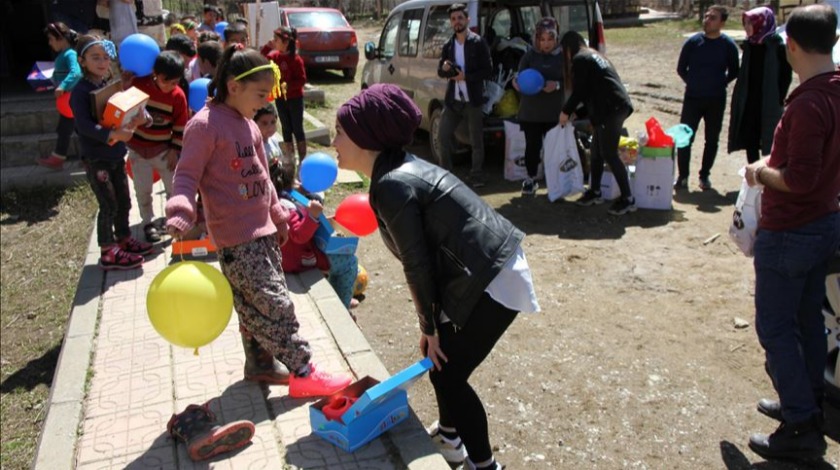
(790, 270)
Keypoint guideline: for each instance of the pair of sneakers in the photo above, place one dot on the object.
(316, 383)
(621, 206)
(529, 187)
(127, 254)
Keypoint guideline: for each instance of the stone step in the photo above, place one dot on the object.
(22, 150)
(32, 176)
(27, 117)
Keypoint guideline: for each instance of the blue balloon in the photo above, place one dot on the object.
(138, 53)
(318, 172)
(220, 28)
(198, 93)
(530, 82)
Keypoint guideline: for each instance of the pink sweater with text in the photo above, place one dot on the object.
(223, 158)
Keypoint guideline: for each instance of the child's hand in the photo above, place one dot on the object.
(138, 120)
(315, 208)
(121, 135)
(174, 232)
(58, 92)
(171, 158)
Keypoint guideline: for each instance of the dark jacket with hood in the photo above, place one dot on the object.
(596, 84)
(450, 242)
(769, 89)
(542, 107)
(477, 68)
(807, 147)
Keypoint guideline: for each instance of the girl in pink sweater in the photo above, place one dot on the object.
(223, 158)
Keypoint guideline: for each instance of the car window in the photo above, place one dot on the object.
(437, 32)
(501, 23)
(388, 42)
(530, 17)
(317, 19)
(572, 18)
(410, 32)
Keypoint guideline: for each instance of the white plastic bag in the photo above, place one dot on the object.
(745, 219)
(563, 173)
(493, 92)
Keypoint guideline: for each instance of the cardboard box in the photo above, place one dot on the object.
(122, 107)
(378, 408)
(99, 98)
(653, 185)
(325, 237)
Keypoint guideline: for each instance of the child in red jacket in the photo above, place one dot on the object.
(282, 50)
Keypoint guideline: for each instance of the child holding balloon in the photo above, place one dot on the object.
(155, 147)
(103, 152)
(65, 75)
(223, 158)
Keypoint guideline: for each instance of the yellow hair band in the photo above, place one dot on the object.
(276, 90)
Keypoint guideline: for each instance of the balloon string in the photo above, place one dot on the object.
(195, 352)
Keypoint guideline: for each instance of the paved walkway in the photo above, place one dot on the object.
(118, 382)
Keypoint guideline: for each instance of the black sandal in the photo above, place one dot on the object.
(152, 233)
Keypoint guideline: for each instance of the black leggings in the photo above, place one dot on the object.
(110, 186)
(466, 348)
(605, 139)
(534, 134)
(290, 112)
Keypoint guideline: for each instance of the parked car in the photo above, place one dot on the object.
(831, 311)
(409, 48)
(325, 39)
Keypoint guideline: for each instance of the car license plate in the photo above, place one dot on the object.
(326, 58)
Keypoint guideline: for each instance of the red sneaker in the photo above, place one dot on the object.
(136, 247)
(115, 258)
(316, 384)
(53, 162)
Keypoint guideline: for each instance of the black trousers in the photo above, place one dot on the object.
(110, 186)
(711, 111)
(290, 113)
(64, 129)
(534, 134)
(458, 404)
(605, 137)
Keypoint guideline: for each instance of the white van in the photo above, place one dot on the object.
(411, 41)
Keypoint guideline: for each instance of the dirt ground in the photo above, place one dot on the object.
(635, 360)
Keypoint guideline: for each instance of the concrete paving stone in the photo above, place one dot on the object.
(62, 421)
(101, 439)
(84, 314)
(367, 364)
(156, 457)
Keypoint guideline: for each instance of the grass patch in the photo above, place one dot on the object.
(662, 32)
(44, 235)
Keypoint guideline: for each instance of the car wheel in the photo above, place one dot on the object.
(434, 134)
(349, 74)
(831, 312)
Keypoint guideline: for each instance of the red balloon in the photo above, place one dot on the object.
(355, 214)
(62, 103)
(130, 172)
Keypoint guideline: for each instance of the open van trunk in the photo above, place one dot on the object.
(409, 48)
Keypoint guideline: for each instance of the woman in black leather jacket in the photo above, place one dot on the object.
(463, 262)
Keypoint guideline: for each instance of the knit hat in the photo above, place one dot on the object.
(380, 117)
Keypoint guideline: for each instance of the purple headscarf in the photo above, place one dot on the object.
(763, 22)
(380, 117)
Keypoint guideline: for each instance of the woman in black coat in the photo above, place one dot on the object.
(463, 262)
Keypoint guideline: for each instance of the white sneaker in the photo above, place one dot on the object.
(469, 465)
(453, 450)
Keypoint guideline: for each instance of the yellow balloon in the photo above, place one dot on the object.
(189, 303)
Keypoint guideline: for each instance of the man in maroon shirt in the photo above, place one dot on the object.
(799, 232)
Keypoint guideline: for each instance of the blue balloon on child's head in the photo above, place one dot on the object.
(318, 172)
(220, 28)
(198, 93)
(138, 53)
(530, 82)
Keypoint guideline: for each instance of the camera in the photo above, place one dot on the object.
(453, 71)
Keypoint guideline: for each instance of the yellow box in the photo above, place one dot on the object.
(123, 106)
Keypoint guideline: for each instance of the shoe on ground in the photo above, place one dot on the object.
(117, 259)
(800, 441)
(477, 180)
(354, 302)
(316, 384)
(529, 187)
(453, 450)
(204, 437)
(469, 465)
(705, 183)
(770, 408)
(53, 162)
(681, 183)
(260, 365)
(622, 206)
(589, 198)
(134, 246)
(152, 233)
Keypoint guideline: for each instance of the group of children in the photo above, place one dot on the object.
(219, 152)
